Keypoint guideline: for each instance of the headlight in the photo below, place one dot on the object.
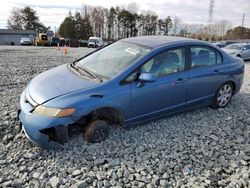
(53, 112)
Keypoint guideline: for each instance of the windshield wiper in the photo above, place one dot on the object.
(72, 65)
(90, 73)
(81, 70)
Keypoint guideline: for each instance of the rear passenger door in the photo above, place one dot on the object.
(205, 73)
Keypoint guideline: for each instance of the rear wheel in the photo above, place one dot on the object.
(224, 95)
(97, 131)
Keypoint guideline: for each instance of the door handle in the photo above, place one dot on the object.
(179, 81)
(216, 71)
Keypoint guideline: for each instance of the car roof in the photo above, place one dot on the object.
(156, 41)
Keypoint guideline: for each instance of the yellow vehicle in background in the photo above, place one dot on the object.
(41, 40)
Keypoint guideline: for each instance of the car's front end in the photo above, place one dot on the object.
(36, 120)
(25, 41)
(42, 120)
(92, 43)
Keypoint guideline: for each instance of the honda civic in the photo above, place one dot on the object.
(131, 81)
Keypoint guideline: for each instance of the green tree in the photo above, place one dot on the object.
(31, 20)
(150, 24)
(97, 16)
(67, 27)
(168, 24)
(128, 21)
(78, 25)
(86, 28)
(110, 22)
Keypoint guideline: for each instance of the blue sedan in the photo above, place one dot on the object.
(131, 81)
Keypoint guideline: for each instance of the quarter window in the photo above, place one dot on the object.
(204, 56)
(166, 63)
(218, 57)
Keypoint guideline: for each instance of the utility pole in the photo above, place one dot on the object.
(85, 11)
(210, 17)
(243, 20)
(211, 12)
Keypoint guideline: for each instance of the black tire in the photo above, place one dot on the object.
(97, 131)
(224, 95)
(61, 134)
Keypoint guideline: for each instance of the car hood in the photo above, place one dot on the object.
(56, 82)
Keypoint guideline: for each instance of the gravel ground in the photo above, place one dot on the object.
(201, 148)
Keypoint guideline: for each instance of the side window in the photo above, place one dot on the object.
(218, 57)
(203, 56)
(166, 63)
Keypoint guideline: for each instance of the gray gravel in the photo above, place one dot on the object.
(201, 148)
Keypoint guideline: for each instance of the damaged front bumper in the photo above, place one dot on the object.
(34, 125)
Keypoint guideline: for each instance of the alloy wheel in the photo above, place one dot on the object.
(224, 95)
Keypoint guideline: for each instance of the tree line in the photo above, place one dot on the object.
(114, 23)
(122, 22)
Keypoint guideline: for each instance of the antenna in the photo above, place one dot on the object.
(243, 20)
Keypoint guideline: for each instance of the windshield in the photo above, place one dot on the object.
(113, 59)
(92, 40)
(234, 47)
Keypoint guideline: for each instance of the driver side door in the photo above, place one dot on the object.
(167, 92)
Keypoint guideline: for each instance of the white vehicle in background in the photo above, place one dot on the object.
(241, 50)
(26, 41)
(95, 42)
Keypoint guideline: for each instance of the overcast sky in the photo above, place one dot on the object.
(53, 12)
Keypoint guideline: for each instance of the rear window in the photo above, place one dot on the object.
(204, 56)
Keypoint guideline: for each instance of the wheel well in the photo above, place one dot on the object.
(233, 84)
(109, 114)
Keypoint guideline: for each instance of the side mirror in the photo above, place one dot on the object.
(147, 77)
